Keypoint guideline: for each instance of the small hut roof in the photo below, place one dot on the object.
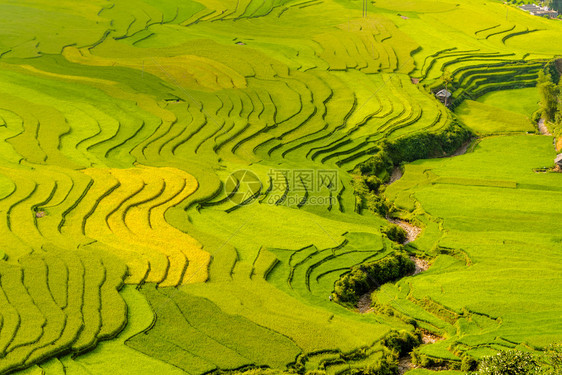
(444, 93)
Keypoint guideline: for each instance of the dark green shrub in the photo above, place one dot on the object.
(373, 183)
(362, 279)
(315, 372)
(510, 362)
(468, 363)
(386, 366)
(360, 186)
(378, 204)
(256, 371)
(554, 356)
(536, 116)
(367, 198)
(379, 165)
(426, 145)
(422, 360)
(552, 70)
(395, 233)
(402, 342)
(549, 93)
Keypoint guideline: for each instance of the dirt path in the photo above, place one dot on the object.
(542, 128)
(463, 149)
(364, 304)
(405, 364)
(396, 175)
(421, 265)
(430, 338)
(412, 230)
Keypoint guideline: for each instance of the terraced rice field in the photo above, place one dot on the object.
(500, 247)
(178, 183)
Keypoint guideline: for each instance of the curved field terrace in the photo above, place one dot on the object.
(266, 186)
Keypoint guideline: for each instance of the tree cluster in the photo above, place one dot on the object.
(517, 362)
(366, 277)
(554, 4)
(550, 92)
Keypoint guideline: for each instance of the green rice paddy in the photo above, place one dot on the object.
(488, 119)
(494, 241)
(523, 101)
(177, 184)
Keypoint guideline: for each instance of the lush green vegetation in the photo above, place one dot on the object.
(550, 90)
(471, 196)
(396, 233)
(554, 4)
(203, 186)
(519, 362)
(369, 276)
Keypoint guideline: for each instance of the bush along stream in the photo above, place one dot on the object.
(370, 179)
(369, 276)
(399, 347)
(353, 290)
(369, 182)
(371, 176)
